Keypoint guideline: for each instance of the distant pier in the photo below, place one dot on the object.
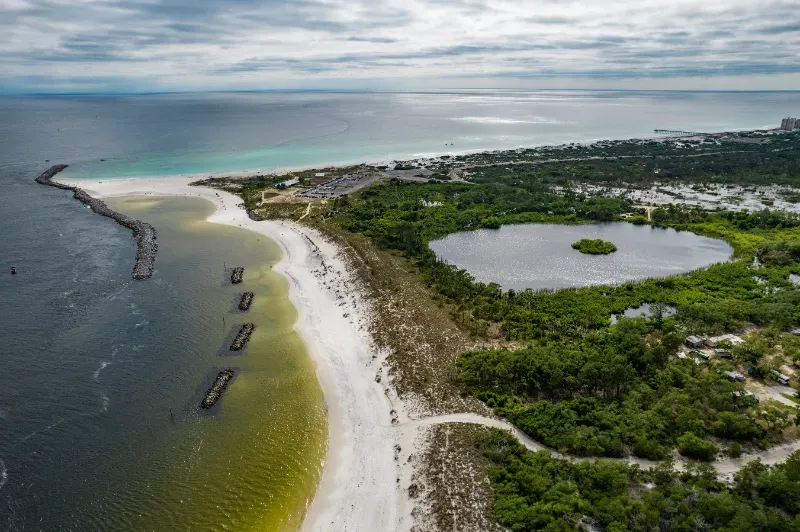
(243, 337)
(144, 233)
(218, 388)
(680, 133)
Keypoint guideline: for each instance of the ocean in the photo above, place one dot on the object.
(100, 376)
(174, 134)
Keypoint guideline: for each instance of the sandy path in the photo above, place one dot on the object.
(359, 490)
(725, 467)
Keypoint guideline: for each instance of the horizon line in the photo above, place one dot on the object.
(369, 91)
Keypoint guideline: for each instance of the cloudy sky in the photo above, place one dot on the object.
(146, 45)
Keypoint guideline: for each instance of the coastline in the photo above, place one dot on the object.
(426, 157)
(367, 470)
(359, 488)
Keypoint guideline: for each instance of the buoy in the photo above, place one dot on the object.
(13, 270)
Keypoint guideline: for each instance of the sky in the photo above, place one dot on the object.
(172, 45)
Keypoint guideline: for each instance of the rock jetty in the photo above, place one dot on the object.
(144, 233)
(243, 337)
(213, 394)
(237, 275)
(246, 301)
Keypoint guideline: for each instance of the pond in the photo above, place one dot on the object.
(643, 310)
(540, 256)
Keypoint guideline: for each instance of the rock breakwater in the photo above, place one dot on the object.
(213, 394)
(243, 337)
(237, 275)
(144, 233)
(246, 301)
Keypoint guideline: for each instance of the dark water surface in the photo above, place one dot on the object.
(101, 378)
(541, 255)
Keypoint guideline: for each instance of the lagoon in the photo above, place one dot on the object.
(540, 256)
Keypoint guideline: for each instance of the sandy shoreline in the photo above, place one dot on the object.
(359, 489)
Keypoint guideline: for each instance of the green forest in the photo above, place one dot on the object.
(536, 492)
(618, 392)
(746, 160)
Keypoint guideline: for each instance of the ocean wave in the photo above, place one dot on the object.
(3, 474)
(142, 324)
(501, 120)
(46, 429)
(105, 401)
(103, 365)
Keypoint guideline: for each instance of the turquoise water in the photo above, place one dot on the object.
(128, 136)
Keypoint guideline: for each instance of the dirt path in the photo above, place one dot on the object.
(725, 467)
(308, 210)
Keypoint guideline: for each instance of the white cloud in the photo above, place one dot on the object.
(195, 44)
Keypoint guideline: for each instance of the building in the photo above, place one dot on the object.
(695, 341)
(287, 184)
(732, 339)
(790, 124)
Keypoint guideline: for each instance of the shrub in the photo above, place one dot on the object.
(695, 447)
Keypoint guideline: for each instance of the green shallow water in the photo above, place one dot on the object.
(254, 461)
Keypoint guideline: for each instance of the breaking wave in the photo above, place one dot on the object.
(501, 120)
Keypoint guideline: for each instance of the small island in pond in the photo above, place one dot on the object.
(594, 247)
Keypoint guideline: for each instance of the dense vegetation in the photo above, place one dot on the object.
(717, 298)
(617, 392)
(595, 246)
(764, 160)
(536, 492)
(406, 216)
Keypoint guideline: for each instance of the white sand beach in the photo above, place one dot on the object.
(362, 486)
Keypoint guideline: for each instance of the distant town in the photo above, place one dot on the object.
(790, 124)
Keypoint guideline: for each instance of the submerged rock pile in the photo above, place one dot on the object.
(144, 233)
(243, 337)
(213, 394)
(237, 275)
(246, 301)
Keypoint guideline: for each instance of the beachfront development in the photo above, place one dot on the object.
(421, 360)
